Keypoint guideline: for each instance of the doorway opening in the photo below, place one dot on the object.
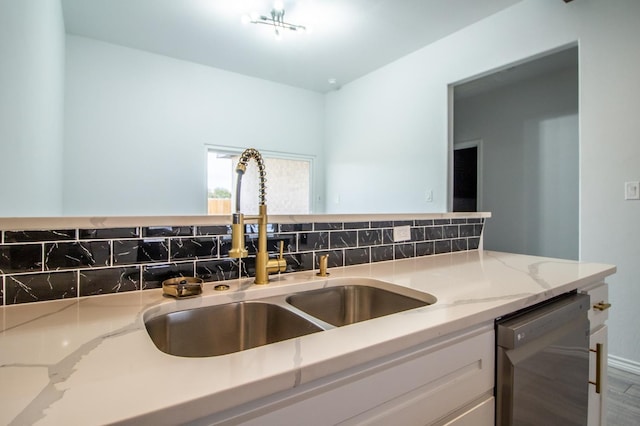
(467, 176)
(526, 116)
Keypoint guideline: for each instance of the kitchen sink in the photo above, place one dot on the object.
(232, 327)
(224, 329)
(348, 304)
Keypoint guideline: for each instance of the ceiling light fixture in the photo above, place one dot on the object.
(276, 20)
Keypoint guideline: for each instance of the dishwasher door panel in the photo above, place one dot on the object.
(544, 380)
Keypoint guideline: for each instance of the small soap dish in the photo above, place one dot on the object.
(182, 287)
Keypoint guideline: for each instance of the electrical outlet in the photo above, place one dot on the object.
(401, 233)
(429, 196)
(632, 190)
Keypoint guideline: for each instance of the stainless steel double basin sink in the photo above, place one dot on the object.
(237, 326)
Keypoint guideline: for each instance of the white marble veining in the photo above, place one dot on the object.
(90, 361)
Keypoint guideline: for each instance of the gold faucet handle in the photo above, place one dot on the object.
(279, 264)
(281, 256)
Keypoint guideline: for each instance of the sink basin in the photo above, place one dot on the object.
(348, 304)
(224, 329)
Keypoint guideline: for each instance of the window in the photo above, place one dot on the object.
(287, 186)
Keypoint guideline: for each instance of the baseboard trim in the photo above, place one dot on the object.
(624, 364)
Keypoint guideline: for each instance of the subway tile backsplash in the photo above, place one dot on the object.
(54, 264)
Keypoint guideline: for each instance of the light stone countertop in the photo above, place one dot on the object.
(90, 361)
(66, 222)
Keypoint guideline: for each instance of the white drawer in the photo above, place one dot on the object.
(599, 311)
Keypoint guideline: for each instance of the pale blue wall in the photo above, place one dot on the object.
(136, 126)
(31, 107)
(409, 133)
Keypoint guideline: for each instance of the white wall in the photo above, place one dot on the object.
(396, 117)
(529, 133)
(31, 107)
(136, 125)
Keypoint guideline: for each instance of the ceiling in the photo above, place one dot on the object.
(349, 38)
(550, 62)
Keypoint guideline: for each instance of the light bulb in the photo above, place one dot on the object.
(278, 5)
(245, 19)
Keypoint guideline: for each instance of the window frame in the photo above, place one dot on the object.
(231, 150)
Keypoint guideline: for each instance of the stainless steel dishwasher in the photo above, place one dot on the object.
(542, 364)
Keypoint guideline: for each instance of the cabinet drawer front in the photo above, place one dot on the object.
(418, 388)
(599, 311)
(481, 414)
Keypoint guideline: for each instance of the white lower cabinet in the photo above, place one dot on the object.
(598, 354)
(449, 382)
(481, 414)
(597, 400)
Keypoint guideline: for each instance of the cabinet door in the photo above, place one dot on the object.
(597, 401)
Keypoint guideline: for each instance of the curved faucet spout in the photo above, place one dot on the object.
(247, 155)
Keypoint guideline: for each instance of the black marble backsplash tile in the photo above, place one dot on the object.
(33, 236)
(323, 226)
(417, 234)
(167, 231)
(425, 248)
(473, 243)
(108, 233)
(194, 248)
(296, 227)
(41, 286)
(109, 280)
(76, 255)
(434, 233)
(55, 264)
(404, 251)
(218, 270)
(459, 244)
(356, 256)
(342, 239)
(467, 230)
(382, 224)
(313, 241)
(403, 223)
(369, 237)
(451, 231)
(20, 258)
(214, 230)
(129, 252)
(443, 246)
(381, 253)
(387, 236)
(356, 225)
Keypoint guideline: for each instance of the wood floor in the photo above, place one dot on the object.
(624, 398)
